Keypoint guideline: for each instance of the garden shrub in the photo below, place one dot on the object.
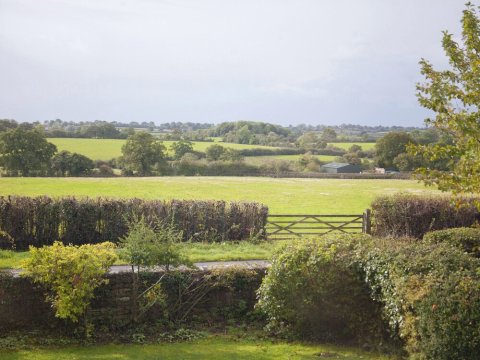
(39, 221)
(313, 291)
(430, 295)
(70, 274)
(413, 215)
(467, 239)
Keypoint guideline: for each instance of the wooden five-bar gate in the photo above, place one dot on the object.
(285, 226)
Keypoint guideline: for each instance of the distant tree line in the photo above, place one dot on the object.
(25, 150)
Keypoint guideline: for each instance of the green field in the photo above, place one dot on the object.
(106, 149)
(283, 196)
(212, 348)
(258, 160)
(346, 145)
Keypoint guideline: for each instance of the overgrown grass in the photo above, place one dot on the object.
(212, 348)
(106, 149)
(282, 196)
(196, 252)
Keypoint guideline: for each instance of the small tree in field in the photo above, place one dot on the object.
(142, 152)
(454, 96)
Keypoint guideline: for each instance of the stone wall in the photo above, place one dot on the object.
(23, 305)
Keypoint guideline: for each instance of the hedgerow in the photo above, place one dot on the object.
(467, 239)
(413, 215)
(42, 220)
(313, 290)
(430, 295)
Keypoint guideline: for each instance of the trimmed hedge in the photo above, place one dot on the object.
(314, 291)
(430, 295)
(412, 215)
(467, 239)
(40, 221)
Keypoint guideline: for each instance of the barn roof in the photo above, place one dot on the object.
(336, 165)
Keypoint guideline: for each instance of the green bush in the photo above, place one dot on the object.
(430, 295)
(313, 290)
(467, 239)
(70, 274)
(150, 245)
(413, 215)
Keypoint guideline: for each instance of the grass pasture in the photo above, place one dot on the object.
(211, 348)
(106, 149)
(282, 196)
(347, 145)
(259, 160)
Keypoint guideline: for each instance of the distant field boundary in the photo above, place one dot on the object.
(313, 175)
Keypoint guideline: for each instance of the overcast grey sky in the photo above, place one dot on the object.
(281, 61)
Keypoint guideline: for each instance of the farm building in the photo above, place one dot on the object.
(340, 168)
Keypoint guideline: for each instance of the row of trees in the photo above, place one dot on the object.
(27, 152)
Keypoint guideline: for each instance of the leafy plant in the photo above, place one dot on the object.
(466, 239)
(70, 274)
(430, 295)
(149, 245)
(313, 291)
(453, 95)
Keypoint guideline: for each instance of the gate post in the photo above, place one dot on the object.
(367, 222)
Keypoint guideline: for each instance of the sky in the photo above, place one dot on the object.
(280, 61)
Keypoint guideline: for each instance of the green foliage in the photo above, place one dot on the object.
(142, 152)
(430, 295)
(38, 221)
(328, 134)
(311, 141)
(6, 241)
(72, 164)
(390, 146)
(181, 148)
(25, 152)
(453, 95)
(215, 152)
(312, 290)
(466, 239)
(413, 215)
(70, 274)
(148, 245)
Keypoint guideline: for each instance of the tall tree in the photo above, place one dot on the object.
(180, 148)
(25, 151)
(390, 146)
(454, 96)
(142, 152)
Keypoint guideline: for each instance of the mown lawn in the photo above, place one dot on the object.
(282, 196)
(106, 149)
(196, 252)
(213, 348)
